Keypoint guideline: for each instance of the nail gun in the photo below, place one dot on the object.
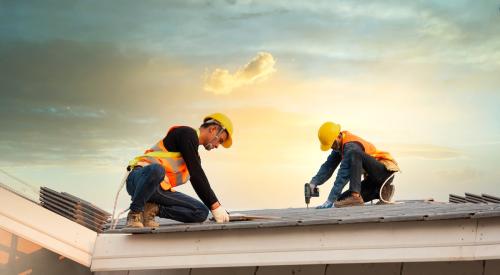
(308, 193)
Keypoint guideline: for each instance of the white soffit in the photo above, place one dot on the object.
(30, 221)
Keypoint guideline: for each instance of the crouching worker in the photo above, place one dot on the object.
(171, 162)
(355, 156)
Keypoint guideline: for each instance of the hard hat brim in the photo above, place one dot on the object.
(325, 147)
(228, 142)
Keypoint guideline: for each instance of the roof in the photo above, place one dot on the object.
(409, 231)
(406, 232)
(402, 211)
(25, 218)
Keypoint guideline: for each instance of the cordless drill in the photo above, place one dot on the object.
(308, 193)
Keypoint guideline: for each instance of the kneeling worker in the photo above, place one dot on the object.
(354, 155)
(171, 162)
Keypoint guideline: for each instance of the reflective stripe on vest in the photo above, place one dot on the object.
(176, 172)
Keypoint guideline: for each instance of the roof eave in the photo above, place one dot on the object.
(412, 241)
(32, 222)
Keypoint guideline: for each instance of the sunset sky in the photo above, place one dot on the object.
(87, 86)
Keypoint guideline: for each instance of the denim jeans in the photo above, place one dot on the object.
(143, 185)
(376, 174)
(350, 169)
(335, 160)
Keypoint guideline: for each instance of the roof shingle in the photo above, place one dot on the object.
(404, 211)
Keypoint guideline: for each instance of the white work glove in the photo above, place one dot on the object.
(220, 214)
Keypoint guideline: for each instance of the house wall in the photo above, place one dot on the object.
(487, 267)
(20, 256)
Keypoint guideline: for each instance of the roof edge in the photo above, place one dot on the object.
(412, 241)
(32, 222)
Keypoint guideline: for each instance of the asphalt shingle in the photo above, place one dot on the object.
(404, 211)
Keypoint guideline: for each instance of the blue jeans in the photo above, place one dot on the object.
(376, 172)
(143, 185)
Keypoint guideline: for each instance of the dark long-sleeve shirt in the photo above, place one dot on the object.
(185, 141)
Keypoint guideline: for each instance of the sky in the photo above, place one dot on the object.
(85, 86)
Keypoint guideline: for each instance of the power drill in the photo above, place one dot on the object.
(308, 193)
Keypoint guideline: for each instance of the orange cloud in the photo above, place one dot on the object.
(424, 151)
(221, 81)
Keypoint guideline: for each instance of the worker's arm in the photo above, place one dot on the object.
(343, 175)
(326, 170)
(186, 142)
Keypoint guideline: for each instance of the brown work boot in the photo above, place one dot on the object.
(350, 201)
(134, 219)
(386, 193)
(150, 212)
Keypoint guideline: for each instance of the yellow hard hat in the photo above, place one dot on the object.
(327, 134)
(224, 122)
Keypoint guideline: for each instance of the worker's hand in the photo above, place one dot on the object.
(220, 214)
(314, 190)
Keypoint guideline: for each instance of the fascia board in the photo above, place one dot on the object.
(415, 241)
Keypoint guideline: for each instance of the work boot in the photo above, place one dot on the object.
(134, 219)
(350, 201)
(386, 193)
(150, 212)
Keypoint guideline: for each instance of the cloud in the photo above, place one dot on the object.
(221, 81)
(461, 174)
(423, 151)
(439, 27)
(68, 102)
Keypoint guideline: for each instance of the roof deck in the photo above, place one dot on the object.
(300, 217)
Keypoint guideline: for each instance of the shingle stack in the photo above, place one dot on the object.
(74, 208)
(469, 197)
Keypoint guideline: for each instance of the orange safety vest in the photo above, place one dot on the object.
(384, 157)
(176, 172)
